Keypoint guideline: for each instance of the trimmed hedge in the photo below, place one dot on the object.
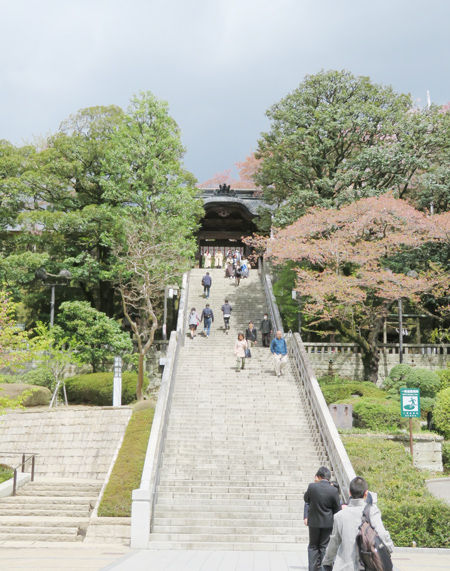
(379, 415)
(340, 391)
(444, 377)
(97, 388)
(402, 376)
(410, 512)
(127, 471)
(441, 412)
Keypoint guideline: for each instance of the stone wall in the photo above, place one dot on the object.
(344, 359)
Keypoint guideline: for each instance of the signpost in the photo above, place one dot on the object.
(410, 408)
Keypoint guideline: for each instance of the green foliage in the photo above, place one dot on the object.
(26, 395)
(404, 376)
(127, 471)
(441, 412)
(5, 473)
(41, 376)
(377, 415)
(410, 512)
(97, 388)
(446, 455)
(94, 336)
(444, 377)
(14, 342)
(285, 282)
(338, 137)
(338, 391)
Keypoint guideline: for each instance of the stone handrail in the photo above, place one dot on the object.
(391, 348)
(309, 387)
(144, 498)
(274, 312)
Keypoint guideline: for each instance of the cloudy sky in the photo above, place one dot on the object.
(219, 63)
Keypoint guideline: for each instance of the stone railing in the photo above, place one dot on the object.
(389, 348)
(322, 426)
(144, 498)
(345, 359)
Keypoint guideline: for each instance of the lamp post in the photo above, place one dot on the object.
(42, 274)
(169, 292)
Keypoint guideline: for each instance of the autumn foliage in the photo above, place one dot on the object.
(343, 275)
(246, 170)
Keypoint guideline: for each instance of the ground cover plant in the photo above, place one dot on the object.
(127, 471)
(409, 511)
(5, 473)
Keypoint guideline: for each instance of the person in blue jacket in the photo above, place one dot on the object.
(278, 349)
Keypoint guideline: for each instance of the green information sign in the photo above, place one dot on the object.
(410, 403)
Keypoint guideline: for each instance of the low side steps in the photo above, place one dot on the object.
(48, 510)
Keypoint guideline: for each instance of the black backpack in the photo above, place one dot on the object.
(373, 552)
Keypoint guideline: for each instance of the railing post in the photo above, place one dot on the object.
(14, 482)
(23, 462)
(32, 467)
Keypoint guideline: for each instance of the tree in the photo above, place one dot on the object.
(145, 175)
(63, 217)
(157, 253)
(93, 336)
(338, 138)
(247, 170)
(14, 342)
(345, 280)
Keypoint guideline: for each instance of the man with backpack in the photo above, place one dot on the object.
(343, 552)
(206, 283)
(207, 317)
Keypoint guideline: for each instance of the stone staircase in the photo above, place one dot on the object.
(48, 510)
(239, 452)
(75, 449)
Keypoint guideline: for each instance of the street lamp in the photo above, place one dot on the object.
(170, 291)
(42, 274)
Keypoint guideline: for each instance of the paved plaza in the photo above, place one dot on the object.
(70, 557)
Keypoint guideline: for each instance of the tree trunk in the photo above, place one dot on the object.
(371, 360)
(140, 381)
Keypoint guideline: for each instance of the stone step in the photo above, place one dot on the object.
(227, 546)
(226, 529)
(24, 512)
(24, 499)
(240, 503)
(44, 537)
(231, 519)
(238, 538)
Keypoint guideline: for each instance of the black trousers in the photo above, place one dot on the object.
(266, 339)
(318, 541)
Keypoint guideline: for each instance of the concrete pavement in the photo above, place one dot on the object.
(110, 557)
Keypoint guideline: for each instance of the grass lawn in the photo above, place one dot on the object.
(410, 512)
(5, 473)
(127, 471)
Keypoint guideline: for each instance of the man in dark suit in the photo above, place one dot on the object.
(323, 500)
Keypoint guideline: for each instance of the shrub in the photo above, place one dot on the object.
(376, 414)
(29, 395)
(340, 391)
(41, 376)
(444, 377)
(441, 412)
(410, 512)
(334, 380)
(446, 455)
(97, 388)
(415, 377)
(426, 522)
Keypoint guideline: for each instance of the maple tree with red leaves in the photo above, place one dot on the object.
(344, 276)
